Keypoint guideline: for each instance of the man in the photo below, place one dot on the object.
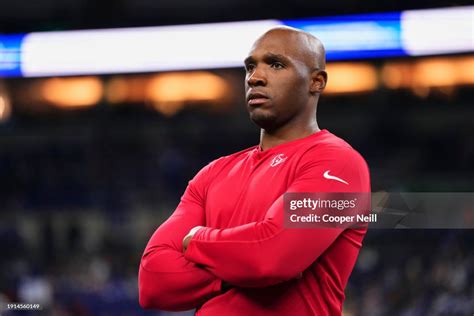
(226, 250)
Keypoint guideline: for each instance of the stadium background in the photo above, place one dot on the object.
(85, 183)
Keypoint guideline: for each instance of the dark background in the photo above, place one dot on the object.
(47, 15)
(82, 191)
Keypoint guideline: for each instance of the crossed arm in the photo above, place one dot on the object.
(256, 254)
(261, 253)
(167, 280)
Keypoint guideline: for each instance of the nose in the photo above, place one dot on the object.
(256, 78)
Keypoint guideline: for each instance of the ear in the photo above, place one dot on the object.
(319, 79)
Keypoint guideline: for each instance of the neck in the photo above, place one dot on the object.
(270, 139)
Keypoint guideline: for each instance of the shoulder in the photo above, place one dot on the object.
(216, 165)
(333, 155)
(330, 147)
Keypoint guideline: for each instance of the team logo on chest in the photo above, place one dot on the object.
(278, 159)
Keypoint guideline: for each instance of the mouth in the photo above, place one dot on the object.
(256, 98)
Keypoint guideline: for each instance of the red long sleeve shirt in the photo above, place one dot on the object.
(239, 200)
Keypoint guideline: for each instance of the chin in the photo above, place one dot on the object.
(267, 121)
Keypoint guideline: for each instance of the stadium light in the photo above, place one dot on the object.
(351, 78)
(72, 92)
(5, 108)
(438, 31)
(225, 45)
(428, 73)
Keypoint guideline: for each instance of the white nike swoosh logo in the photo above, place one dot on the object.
(330, 177)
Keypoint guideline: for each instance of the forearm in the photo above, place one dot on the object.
(168, 281)
(265, 252)
(258, 254)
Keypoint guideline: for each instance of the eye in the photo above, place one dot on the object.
(277, 65)
(249, 67)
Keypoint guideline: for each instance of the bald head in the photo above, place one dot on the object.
(284, 77)
(307, 46)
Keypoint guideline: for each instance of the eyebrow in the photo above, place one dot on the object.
(248, 60)
(268, 56)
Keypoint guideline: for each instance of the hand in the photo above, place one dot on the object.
(189, 236)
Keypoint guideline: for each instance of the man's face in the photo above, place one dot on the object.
(277, 79)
